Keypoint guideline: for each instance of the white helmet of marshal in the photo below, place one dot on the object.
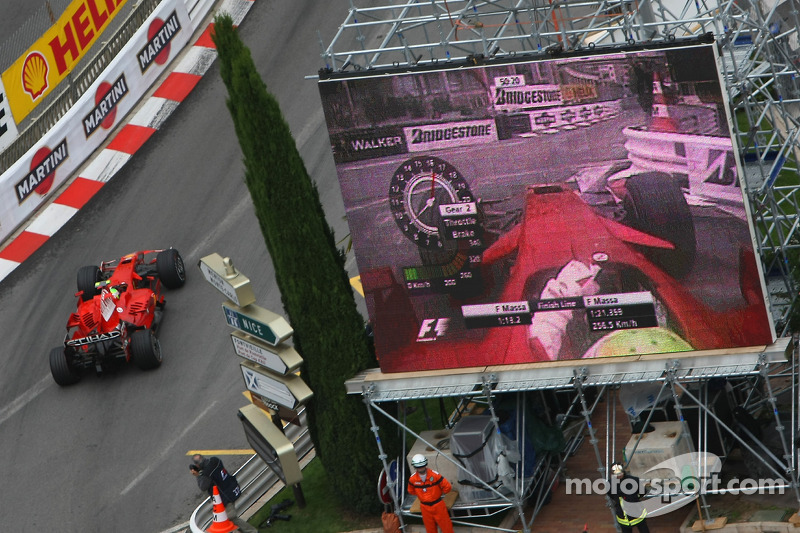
(419, 460)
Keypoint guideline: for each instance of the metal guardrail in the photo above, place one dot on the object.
(255, 477)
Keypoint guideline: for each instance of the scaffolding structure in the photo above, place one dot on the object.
(757, 379)
(757, 43)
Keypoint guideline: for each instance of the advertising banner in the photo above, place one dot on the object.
(8, 128)
(53, 56)
(27, 183)
(615, 227)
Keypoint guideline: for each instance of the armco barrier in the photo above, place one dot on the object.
(255, 477)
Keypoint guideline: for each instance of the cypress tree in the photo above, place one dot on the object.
(309, 270)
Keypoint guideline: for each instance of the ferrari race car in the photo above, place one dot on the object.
(120, 306)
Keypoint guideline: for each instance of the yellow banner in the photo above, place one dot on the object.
(45, 64)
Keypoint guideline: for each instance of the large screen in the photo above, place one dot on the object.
(561, 209)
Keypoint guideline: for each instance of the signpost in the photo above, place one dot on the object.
(269, 370)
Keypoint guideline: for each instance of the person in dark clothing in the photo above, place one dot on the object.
(210, 472)
(627, 488)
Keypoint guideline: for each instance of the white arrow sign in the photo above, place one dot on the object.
(289, 391)
(221, 274)
(281, 359)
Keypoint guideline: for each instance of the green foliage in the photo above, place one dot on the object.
(309, 270)
(322, 513)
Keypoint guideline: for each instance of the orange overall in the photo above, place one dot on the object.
(429, 493)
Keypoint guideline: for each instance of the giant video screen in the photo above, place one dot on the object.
(568, 208)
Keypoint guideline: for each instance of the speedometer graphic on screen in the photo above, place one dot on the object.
(420, 189)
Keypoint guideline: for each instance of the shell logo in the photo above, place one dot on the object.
(34, 74)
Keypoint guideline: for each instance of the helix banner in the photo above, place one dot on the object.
(53, 56)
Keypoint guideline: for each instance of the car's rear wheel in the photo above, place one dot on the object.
(63, 374)
(655, 204)
(145, 349)
(170, 268)
(87, 277)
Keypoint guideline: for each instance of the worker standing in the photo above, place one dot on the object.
(631, 493)
(429, 487)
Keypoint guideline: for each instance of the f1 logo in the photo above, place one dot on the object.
(432, 328)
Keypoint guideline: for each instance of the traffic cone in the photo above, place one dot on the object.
(220, 524)
(659, 118)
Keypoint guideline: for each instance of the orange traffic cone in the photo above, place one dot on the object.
(220, 524)
(660, 119)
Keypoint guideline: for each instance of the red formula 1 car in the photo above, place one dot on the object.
(120, 307)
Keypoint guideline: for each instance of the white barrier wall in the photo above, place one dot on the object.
(28, 184)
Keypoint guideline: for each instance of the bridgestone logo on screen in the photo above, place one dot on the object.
(528, 96)
(434, 136)
(159, 41)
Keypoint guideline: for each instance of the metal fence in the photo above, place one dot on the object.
(26, 34)
(57, 103)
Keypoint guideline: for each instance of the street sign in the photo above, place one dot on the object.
(289, 391)
(271, 444)
(221, 274)
(258, 322)
(386, 485)
(281, 359)
(292, 416)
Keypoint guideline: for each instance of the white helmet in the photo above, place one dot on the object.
(419, 460)
(616, 469)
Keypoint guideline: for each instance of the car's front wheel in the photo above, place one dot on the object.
(655, 204)
(171, 270)
(145, 349)
(63, 374)
(88, 276)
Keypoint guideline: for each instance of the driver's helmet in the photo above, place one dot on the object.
(638, 342)
(113, 289)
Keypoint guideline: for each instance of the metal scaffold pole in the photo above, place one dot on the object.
(672, 380)
(391, 485)
(580, 376)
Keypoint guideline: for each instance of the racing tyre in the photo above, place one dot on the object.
(59, 367)
(655, 204)
(145, 349)
(87, 277)
(171, 271)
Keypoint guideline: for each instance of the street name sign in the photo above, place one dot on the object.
(280, 359)
(258, 322)
(222, 275)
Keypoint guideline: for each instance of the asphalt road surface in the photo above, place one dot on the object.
(109, 454)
